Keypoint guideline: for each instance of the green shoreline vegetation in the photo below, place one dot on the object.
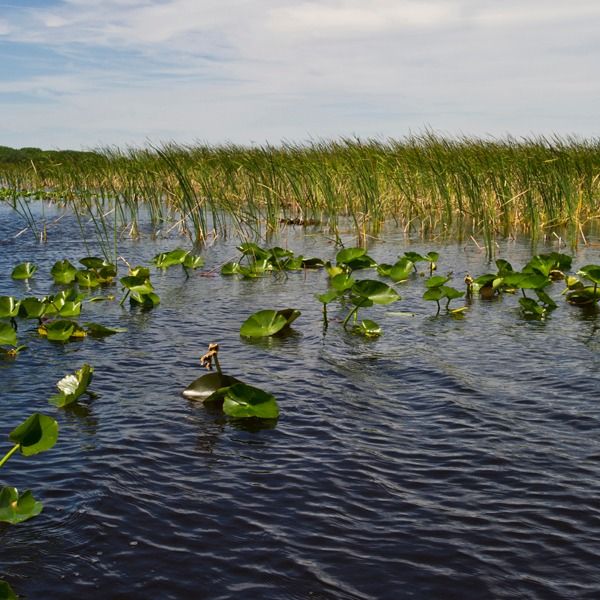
(424, 184)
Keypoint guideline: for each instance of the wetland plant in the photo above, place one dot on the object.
(265, 323)
(71, 387)
(238, 399)
(36, 434)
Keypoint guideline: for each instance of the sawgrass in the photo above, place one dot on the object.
(427, 185)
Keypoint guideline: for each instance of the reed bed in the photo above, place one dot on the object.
(427, 185)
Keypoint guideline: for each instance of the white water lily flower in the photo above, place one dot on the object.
(68, 384)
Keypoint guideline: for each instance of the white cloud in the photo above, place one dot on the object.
(258, 69)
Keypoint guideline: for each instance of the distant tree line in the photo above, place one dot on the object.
(26, 155)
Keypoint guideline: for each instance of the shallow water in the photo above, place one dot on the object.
(447, 459)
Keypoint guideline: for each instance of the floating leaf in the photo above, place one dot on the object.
(402, 269)
(61, 330)
(36, 434)
(97, 330)
(15, 508)
(72, 387)
(436, 281)
(231, 268)
(268, 322)
(93, 262)
(25, 270)
(192, 261)
(253, 250)
(87, 278)
(243, 401)
(375, 291)
(63, 272)
(342, 282)
(9, 307)
(367, 328)
(8, 335)
(6, 592)
(583, 296)
(168, 259)
(137, 283)
(591, 273)
(209, 387)
(32, 308)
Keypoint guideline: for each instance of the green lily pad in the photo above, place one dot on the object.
(137, 284)
(24, 270)
(193, 261)
(15, 508)
(375, 291)
(436, 281)
(8, 335)
(61, 330)
(63, 272)
(6, 592)
(268, 322)
(87, 278)
(9, 307)
(97, 330)
(36, 434)
(243, 401)
(169, 259)
(367, 328)
(591, 273)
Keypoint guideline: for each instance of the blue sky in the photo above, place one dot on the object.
(88, 73)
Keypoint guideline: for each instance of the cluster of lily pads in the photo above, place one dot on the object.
(57, 313)
(535, 277)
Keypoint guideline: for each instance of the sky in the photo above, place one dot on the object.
(84, 74)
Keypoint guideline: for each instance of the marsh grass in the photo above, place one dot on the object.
(427, 185)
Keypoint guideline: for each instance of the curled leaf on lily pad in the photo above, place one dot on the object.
(25, 270)
(268, 322)
(72, 387)
(209, 387)
(6, 592)
(243, 401)
(16, 508)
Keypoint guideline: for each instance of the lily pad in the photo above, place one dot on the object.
(375, 291)
(268, 322)
(8, 335)
(6, 592)
(97, 330)
(63, 272)
(9, 307)
(367, 328)
(243, 401)
(36, 434)
(25, 270)
(15, 508)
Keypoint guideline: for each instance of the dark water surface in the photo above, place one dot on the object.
(447, 459)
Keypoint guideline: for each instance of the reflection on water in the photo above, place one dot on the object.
(450, 458)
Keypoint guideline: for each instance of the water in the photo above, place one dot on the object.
(447, 459)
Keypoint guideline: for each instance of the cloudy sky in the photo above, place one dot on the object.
(87, 73)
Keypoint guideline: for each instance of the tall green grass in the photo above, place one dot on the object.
(427, 185)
